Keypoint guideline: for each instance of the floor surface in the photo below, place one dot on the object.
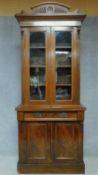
(8, 165)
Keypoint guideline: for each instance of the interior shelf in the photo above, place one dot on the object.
(63, 47)
(37, 66)
(38, 85)
(58, 84)
(63, 66)
(37, 47)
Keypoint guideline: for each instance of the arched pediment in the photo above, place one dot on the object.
(50, 9)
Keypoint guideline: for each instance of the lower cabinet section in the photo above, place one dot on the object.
(50, 147)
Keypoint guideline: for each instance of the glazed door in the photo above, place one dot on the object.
(36, 77)
(65, 65)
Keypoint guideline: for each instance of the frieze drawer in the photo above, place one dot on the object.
(50, 116)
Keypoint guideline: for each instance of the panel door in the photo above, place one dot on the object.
(37, 142)
(67, 141)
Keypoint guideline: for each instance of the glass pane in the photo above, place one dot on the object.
(37, 39)
(63, 54)
(37, 57)
(37, 66)
(63, 39)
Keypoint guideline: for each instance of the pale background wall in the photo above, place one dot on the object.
(10, 90)
(89, 83)
(10, 95)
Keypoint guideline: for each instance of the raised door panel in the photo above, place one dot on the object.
(38, 142)
(67, 141)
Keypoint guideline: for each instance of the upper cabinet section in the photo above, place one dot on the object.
(50, 54)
